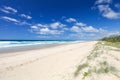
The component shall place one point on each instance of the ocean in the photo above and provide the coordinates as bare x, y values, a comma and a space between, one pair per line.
8, 44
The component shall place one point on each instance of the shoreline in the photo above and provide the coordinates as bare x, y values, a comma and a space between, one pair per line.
26, 48
31, 47
19, 49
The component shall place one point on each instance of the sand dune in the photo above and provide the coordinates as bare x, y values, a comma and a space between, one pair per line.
103, 63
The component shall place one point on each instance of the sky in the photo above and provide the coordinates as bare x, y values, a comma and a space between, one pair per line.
59, 19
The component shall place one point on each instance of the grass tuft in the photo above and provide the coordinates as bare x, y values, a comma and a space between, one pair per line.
79, 68
85, 74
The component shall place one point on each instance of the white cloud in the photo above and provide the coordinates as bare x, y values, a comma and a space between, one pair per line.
82, 27
10, 19
47, 29
71, 20
34, 27
42, 25
113, 33
26, 16
15, 20
79, 29
24, 23
90, 29
103, 1
86, 29
76, 29
80, 24
5, 11
37, 27
107, 12
56, 25
10, 9
93, 36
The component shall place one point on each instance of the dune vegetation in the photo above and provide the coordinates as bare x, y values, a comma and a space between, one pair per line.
114, 38
112, 41
102, 61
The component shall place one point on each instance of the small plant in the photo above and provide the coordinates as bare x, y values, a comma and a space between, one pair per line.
79, 68
106, 70
85, 74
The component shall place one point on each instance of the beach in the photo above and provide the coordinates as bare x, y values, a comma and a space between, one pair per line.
72, 61
53, 63
59, 39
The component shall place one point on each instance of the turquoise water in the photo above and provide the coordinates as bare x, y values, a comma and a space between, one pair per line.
6, 44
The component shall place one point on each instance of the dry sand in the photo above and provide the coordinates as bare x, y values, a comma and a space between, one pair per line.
54, 63
62, 63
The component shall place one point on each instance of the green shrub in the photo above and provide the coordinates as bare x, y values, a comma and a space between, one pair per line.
115, 38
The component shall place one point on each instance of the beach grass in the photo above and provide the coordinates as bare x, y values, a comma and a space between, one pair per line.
79, 68
96, 64
113, 38
112, 41
114, 44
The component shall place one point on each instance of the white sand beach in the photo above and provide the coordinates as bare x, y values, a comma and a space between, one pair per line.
56, 63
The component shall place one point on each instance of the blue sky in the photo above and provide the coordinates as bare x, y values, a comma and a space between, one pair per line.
59, 19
